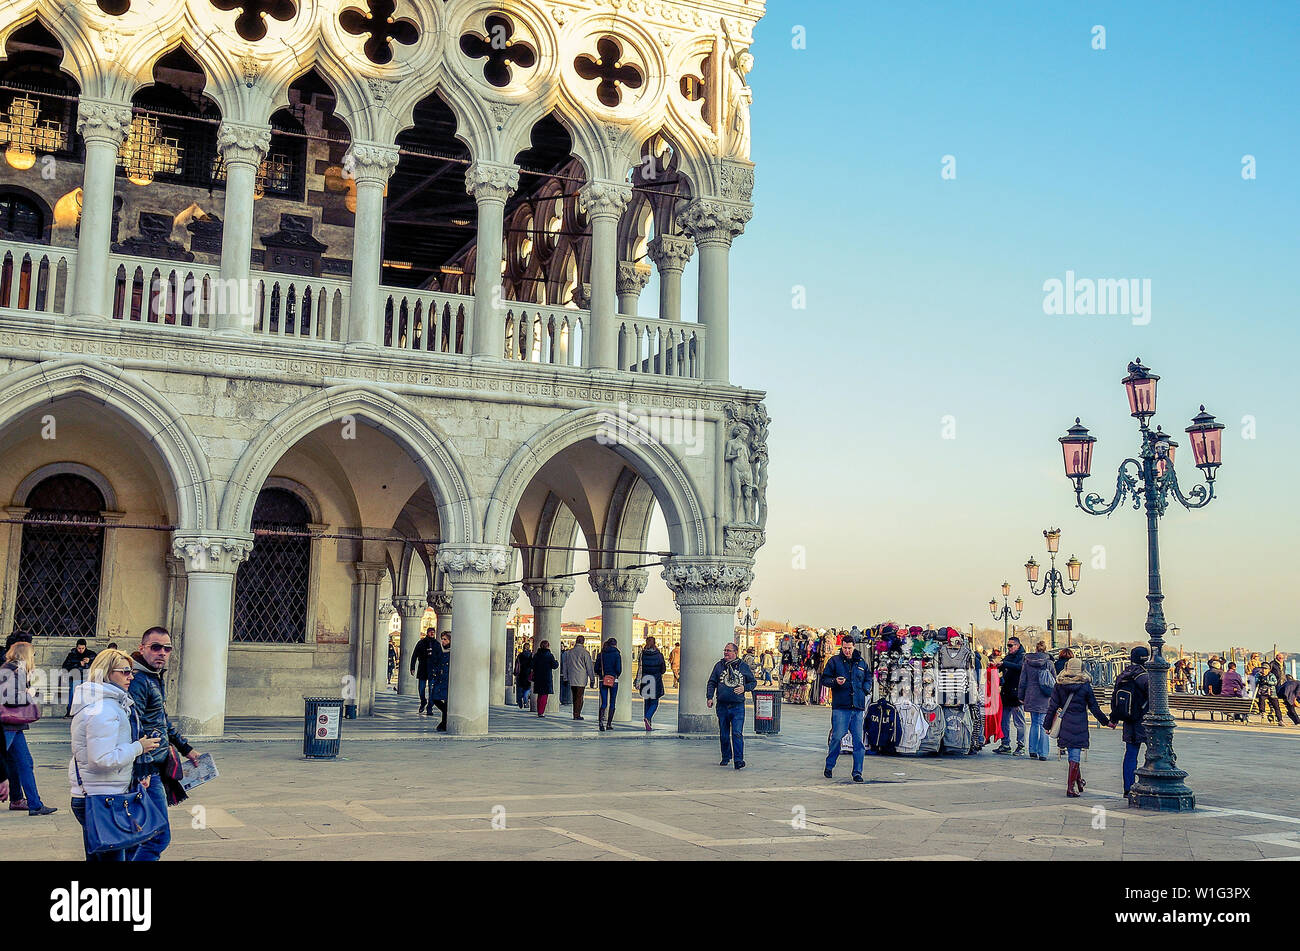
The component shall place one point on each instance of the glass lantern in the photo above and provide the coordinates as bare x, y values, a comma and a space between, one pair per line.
1076, 446
1141, 387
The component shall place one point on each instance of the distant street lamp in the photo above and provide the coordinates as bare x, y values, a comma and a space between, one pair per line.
1005, 614
1159, 782
1053, 582
748, 616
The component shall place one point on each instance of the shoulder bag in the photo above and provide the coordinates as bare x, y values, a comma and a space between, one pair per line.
1055, 731
121, 820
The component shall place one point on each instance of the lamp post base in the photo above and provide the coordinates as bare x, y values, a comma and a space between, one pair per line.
1161, 791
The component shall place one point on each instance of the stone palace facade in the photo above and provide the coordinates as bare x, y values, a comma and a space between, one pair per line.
311, 310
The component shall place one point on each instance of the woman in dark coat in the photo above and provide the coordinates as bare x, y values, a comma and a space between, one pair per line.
652, 679
523, 676
439, 676
543, 682
1072, 698
609, 667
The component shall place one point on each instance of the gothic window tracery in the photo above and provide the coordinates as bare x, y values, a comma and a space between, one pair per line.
383, 30
251, 22
500, 48
609, 70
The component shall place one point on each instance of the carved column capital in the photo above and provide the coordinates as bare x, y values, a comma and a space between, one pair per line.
709, 582
604, 199
241, 143
102, 120
370, 162
671, 252
504, 598
441, 602
473, 564
632, 277
491, 181
410, 608
368, 572
582, 296
548, 593
221, 554
711, 221
617, 585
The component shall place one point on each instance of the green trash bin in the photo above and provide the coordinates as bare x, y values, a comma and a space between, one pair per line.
322, 727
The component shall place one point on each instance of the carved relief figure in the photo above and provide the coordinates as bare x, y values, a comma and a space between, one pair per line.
741, 473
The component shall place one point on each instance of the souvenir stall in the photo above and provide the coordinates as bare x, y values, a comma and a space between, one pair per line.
926, 696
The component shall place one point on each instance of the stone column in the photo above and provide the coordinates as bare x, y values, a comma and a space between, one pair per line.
714, 224
370, 164
670, 254
490, 184
442, 606
473, 570
707, 590
412, 612
548, 598
383, 614
210, 567
604, 203
618, 590
631, 281
243, 147
365, 608
503, 599
104, 126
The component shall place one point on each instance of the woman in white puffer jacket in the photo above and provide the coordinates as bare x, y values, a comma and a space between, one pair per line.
104, 739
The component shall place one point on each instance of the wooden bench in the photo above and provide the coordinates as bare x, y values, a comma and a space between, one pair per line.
1225, 706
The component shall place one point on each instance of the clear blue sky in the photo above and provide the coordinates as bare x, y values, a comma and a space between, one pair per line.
924, 300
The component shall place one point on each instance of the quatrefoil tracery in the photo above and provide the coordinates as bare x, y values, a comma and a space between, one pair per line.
500, 48
381, 26
251, 22
608, 68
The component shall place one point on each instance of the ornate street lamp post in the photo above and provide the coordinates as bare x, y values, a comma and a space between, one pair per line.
1159, 782
1053, 582
1005, 614
748, 616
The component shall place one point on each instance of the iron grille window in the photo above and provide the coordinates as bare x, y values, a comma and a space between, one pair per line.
59, 566
271, 587
21, 218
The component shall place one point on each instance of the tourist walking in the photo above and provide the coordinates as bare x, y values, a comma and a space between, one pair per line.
1135, 683
544, 663
1035, 690
440, 677
580, 671
421, 668
150, 698
1072, 700
1289, 693
1062, 658
22, 708
1012, 711
768, 664
651, 681
849, 680
993, 699
75, 667
106, 740
523, 677
730, 678
609, 667
675, 662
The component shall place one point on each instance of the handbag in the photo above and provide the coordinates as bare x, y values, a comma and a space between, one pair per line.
1055, 731
608, 680
24, 714
121, 820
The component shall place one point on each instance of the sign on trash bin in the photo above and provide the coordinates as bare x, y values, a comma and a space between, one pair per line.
763, 707
327, 724
322, 727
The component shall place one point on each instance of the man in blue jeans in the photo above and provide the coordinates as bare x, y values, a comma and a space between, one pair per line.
150, 698
730, 679
849, 678
1135, 733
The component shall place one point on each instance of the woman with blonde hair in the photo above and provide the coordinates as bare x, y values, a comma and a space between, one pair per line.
105, 739
21, 702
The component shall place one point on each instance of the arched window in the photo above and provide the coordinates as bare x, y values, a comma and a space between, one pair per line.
21, 219
59, 565
271, 587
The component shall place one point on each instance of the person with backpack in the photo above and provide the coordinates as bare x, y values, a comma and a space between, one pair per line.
651, 681
1129, 700
730, 680
1012, 712
1037, 681
849, 680
1072, 700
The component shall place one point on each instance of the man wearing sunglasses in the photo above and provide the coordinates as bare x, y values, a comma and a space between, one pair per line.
150, 699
